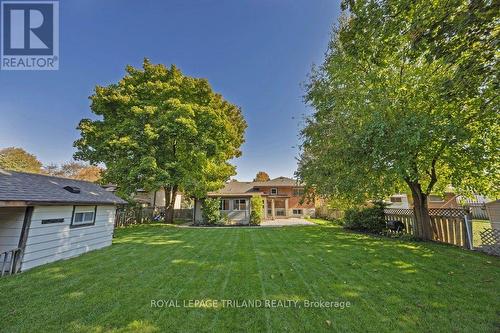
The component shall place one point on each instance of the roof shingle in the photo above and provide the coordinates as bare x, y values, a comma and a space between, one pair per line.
35, 188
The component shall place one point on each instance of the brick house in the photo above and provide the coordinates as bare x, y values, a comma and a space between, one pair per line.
283, 198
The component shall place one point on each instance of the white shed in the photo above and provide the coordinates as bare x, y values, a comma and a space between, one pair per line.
44, 219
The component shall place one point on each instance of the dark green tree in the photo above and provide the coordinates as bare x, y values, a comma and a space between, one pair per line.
407, 97
160, 129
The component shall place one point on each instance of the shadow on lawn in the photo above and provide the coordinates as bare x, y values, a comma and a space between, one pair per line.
112, 287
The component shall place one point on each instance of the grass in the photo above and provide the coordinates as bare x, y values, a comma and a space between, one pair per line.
477, 227
391, 285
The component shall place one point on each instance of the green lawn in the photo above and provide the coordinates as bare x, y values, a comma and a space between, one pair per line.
477, 227
391, 285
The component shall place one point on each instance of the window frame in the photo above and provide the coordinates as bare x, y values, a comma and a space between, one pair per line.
301, 190
295, 210
221, 205
275, 190
86, 224
237, 203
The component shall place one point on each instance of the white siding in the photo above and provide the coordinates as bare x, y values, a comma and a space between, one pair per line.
51, 242
234, 216
11, 224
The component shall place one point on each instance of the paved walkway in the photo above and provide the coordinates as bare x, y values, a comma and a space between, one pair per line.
285, 222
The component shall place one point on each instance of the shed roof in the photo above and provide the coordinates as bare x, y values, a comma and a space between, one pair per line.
41, 189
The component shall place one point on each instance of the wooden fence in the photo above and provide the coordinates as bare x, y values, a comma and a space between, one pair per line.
448, 224
142, 215
134, 215
327, 213
477, 211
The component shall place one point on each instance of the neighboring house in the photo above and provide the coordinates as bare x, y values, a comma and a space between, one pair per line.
150, 199
45, 218
401, 200
282, 199
156, 199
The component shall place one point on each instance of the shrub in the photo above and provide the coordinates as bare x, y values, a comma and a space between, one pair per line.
257, 210
368, 219
210, 211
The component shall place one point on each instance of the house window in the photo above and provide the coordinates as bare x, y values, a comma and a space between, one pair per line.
274, 191
224, 204
396, 199
297, 211
435, 198
240, 204
298, 192
83, 216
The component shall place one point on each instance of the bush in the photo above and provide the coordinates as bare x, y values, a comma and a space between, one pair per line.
369, 219
210, 211
257, 210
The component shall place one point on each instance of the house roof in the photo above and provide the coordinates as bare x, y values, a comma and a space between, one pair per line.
41, 189
280, 181
235, 188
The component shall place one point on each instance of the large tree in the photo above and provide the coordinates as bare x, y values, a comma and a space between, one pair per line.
261, 176
407, 97
18, 159
160, 129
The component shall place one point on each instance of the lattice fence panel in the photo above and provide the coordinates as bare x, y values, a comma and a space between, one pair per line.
490, 239
448, 212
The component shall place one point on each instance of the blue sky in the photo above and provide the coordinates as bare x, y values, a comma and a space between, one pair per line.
256, 53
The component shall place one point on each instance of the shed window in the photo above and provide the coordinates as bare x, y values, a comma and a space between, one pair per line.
240, 204
396, 199
83, 215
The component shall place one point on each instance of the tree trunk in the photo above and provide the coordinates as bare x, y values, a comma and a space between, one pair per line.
169, 209
421, 211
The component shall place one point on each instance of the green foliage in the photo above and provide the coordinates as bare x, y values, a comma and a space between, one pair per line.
368, 219
407, 96
210, 211
257, 211
17, 159
158, 128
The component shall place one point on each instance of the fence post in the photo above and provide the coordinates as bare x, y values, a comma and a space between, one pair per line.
468, 228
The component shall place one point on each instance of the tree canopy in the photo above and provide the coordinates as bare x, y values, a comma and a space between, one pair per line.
159, 128
18, 159
261, 176
75, 170
407, 97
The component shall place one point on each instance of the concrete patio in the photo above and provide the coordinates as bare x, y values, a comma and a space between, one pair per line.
285, 222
